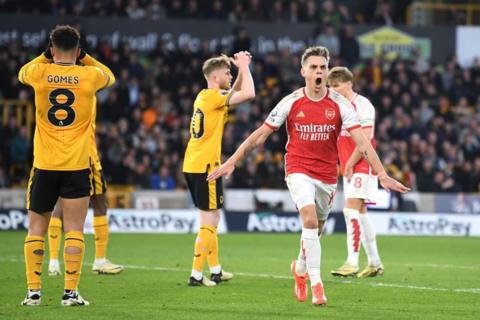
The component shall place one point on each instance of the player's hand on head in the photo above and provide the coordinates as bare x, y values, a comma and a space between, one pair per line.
48, 51
242, 58
391, 184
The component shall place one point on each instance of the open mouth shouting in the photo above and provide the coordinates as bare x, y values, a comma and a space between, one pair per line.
318, 81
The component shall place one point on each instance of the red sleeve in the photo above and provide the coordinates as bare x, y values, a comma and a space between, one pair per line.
270, 126
354, 127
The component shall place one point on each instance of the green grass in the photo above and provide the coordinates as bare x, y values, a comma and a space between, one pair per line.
422, 281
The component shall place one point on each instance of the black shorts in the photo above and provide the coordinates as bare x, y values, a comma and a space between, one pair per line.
99, 183
206, 195
45, 186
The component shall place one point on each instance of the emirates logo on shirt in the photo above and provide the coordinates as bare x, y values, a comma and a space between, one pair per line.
314, 132
330, 113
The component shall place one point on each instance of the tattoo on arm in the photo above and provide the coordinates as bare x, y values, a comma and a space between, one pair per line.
365, 156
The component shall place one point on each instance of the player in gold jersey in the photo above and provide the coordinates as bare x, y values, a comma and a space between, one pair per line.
98, 201
65, 96
210, 113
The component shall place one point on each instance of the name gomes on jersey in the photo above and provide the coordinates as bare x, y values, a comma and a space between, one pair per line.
315, 132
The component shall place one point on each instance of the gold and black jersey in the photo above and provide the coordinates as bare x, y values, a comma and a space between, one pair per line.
210, 113
65, 102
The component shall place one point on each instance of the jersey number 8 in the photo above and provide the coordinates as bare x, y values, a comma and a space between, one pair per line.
65, 106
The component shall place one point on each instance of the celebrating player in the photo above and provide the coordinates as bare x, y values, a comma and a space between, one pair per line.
210, 112
65, 98
359, 181
314, 116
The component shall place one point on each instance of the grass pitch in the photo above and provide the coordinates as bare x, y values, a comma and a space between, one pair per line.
425, 278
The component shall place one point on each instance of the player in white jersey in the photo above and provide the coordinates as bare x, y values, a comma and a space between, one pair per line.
359, 180
314, 116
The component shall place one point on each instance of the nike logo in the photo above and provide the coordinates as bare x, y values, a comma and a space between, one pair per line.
300, 115
37, 273
53, 236
70, 272
197, 255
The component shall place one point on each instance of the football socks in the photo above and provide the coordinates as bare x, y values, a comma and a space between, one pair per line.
202, 247
54, 237
73, 261
352, 222
100, 226
34, 249
312, 248
369, 240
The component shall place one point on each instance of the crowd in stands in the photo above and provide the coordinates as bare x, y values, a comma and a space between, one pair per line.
427, 128
293, 11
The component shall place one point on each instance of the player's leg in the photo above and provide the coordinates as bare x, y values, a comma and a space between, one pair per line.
74, 200
42, 192
102, 265
303, 192
351, 214
369, 241
355, 192
205, 201
54, 240
217, 274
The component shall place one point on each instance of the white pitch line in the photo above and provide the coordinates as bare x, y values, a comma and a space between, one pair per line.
283, 277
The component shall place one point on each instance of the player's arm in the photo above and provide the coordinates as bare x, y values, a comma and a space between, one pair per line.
367, 151
244, 81
254, 140
356, 155
24, 75
237, 85
88, 60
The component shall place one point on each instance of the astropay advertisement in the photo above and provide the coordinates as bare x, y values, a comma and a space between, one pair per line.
425, 224
153, 221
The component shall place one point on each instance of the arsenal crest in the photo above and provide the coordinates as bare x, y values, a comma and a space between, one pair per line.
329, 113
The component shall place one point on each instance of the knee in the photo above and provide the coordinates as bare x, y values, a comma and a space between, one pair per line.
310, 222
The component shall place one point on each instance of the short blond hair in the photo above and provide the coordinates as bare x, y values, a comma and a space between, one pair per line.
215, 63
315, 51
340, 74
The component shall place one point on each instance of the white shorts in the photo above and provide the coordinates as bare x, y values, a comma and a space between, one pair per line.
307, 191
361, 186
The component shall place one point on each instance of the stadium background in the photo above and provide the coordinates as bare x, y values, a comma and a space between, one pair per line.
418, 62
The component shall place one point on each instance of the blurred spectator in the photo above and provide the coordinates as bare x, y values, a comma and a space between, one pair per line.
383, 13
328, 38
241, 40
163, 180
156, 11
310, 12
349, 47
134, 11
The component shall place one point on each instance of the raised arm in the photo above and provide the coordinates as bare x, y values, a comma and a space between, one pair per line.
23, 74
244, 81
356, 156
88, 60
367, 151
237, 85
254, 140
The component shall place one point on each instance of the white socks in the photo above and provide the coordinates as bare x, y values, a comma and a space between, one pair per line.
352, 222
216, 269
311, 246
369, 241
197, 274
